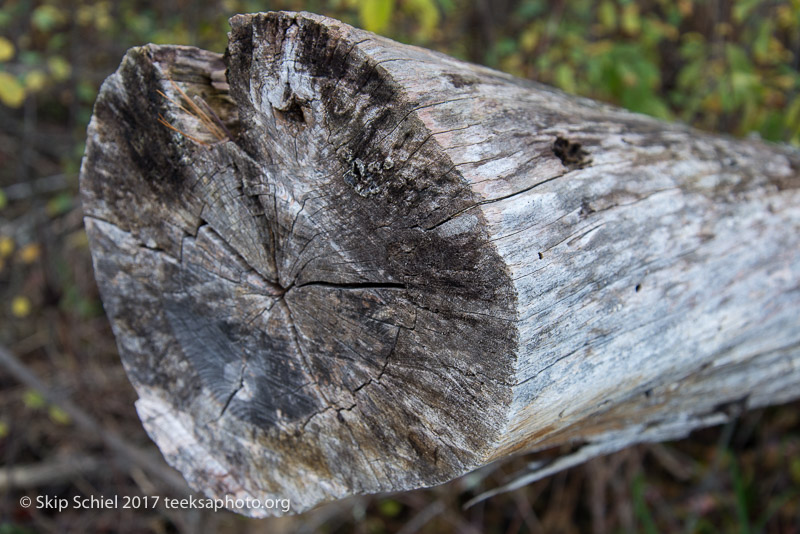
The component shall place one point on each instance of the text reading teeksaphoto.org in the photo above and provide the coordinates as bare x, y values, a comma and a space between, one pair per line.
138, 502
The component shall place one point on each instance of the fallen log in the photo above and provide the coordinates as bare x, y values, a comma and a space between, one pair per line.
337, 265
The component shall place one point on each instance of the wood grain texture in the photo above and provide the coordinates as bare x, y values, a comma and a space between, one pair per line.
395, 267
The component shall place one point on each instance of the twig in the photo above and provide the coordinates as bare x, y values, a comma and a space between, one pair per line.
422, 518
163, 121
111, 439
47, 184
48, 472
207, 117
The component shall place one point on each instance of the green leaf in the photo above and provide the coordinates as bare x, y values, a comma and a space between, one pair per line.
743, 8
772, 127
12, 93
565, 77
762, 42
631, 21
30, 58
740, 490
390, 508
375, 14
426, 13
59, 68
59, 416
10, 528
46, 17
607, 14
793, 121
448, 6
530, 9
737, 58
640, 507
33, 399
3, 199
86, 91
59, 204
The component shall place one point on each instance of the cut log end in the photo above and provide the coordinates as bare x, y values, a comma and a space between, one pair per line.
297, 295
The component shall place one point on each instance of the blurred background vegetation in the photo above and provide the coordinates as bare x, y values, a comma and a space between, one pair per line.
729, 66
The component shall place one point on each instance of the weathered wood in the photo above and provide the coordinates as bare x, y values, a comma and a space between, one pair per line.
335, 264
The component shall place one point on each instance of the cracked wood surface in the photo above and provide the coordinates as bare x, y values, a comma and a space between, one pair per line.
335, 264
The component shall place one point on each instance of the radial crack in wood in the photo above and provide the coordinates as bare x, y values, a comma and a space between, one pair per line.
336, 265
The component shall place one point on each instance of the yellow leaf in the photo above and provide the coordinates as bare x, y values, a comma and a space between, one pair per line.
20, 307
3, 429
607, 13
712, 103
793, 113
85, 14
3, 199
794, 469
12, 94
529, 38
631, 22
599, 48
6, 49
426, 13
103, 20
565, 77
723, 29
6, 246
59, 68
35, 80
629, 78
30, 253
59, 416
375, 14
78, 239
784, 16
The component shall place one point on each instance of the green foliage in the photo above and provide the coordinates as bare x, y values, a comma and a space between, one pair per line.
33, 400
375, 14
59, 205
730, 69
58, 415
10, 528
640, 506
390, 508
741, 489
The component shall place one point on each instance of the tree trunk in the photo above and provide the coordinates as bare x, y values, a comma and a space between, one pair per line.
336, 264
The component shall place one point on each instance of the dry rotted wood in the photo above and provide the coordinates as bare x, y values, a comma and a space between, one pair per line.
336, 265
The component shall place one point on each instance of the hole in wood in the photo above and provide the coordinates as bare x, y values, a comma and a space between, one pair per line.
293, 116
571, 154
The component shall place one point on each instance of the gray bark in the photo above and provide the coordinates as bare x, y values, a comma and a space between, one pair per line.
336, 264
